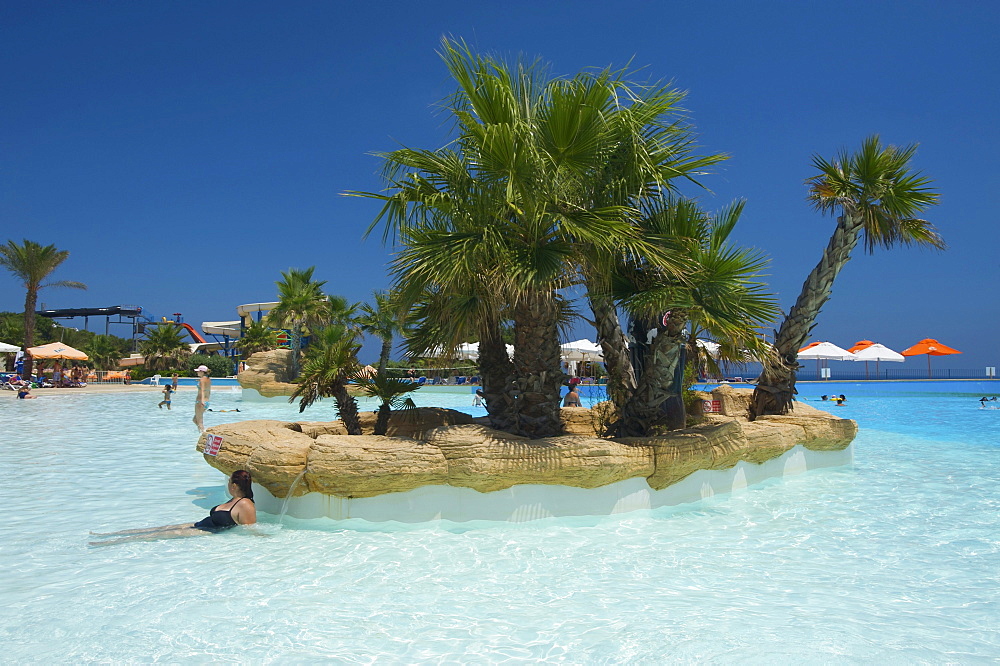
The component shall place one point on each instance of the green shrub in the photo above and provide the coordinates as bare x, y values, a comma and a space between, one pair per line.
218, 366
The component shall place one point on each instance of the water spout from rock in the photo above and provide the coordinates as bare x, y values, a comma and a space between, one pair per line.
288, 496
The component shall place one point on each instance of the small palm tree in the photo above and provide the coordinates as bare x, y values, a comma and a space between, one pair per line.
105, 351
383, 319
302, 307
32, 263
257, 337
330, 362
721, 294
390, 391
875, 195
164, 347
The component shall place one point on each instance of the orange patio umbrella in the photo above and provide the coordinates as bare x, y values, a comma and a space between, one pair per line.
57, 350
860, 344
931, 347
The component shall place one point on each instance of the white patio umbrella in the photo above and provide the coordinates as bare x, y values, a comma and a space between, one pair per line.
467, 351
825, 351
878, 352
8, 349
582, 350
710, 346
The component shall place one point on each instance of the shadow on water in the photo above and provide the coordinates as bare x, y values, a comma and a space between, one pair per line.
207, 496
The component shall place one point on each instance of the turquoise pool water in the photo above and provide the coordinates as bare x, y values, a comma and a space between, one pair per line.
896, 559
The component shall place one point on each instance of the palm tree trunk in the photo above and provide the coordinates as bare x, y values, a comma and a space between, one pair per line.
347, 409
621, 375
775, 389
30, 301
497, 372
382, 420
383, 357
297, 347
657, 384
535, 391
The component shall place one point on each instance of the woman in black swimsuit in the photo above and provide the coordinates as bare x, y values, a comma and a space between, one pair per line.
235, 511
239, 510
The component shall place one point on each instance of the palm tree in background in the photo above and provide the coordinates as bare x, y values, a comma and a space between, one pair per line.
257, 337
384, 319
302, 306
32, 264
875, 195
106, 351
164, 347
390, 392
330, 362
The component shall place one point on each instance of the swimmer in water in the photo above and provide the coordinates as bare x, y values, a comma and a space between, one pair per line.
239, 510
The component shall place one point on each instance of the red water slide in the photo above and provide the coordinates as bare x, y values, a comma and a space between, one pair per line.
195, 335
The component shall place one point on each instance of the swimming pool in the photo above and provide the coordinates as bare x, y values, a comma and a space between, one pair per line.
896, 559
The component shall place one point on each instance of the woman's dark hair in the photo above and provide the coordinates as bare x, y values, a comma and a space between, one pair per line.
241, 478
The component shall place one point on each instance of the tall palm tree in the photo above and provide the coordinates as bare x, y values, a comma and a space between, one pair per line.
257, 337
383, 318
164, 347
32, 263
875, 195
331, 361
302, 306
390, 392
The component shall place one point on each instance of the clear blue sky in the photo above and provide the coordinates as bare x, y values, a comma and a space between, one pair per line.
186, 152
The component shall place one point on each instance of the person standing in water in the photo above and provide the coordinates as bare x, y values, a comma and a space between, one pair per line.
204, 395
167, 390
173, 382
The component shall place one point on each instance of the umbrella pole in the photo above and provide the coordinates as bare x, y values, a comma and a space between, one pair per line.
928, 366
866, 369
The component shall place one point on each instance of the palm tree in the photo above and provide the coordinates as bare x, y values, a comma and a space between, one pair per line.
257, 337
390, 391
722, 294
302, 306
876, 195
164, 347
32, 263
383, 319
510, 201
330, 362
106, 351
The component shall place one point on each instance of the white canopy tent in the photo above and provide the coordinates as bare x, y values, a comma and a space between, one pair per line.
8, 349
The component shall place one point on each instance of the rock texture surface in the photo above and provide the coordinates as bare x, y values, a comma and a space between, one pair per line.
434, 446
269, 373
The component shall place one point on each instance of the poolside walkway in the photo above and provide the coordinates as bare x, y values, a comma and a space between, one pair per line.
91, 389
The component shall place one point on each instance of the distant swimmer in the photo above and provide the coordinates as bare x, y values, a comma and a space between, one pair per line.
477, 400
24, 392
222, 411
239, 510
841, 399
824, 397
